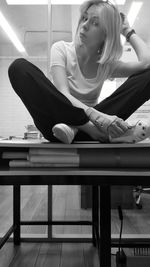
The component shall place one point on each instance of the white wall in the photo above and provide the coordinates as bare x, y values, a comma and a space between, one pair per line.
74, 18
13, 115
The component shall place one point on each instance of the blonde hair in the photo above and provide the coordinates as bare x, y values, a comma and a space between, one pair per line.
110, 19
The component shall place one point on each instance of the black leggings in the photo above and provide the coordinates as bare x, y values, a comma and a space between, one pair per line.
48, 106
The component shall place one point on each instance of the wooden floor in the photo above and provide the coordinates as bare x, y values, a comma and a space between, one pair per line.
49, 255
54, 255
66, 206
58, 255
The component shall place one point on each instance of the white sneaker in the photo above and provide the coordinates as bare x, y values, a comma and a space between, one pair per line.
64, 133
138, 132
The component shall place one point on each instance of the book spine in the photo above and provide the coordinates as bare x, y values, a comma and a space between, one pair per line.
23, 163
56, 151
54, 158
14, 155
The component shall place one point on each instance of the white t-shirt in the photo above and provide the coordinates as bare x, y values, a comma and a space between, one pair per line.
86, 90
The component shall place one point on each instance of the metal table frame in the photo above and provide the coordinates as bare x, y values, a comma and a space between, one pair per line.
99, 178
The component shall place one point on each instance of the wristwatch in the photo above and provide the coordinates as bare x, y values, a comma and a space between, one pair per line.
129, 34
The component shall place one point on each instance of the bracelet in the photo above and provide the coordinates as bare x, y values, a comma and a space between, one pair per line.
89, 111
129, 34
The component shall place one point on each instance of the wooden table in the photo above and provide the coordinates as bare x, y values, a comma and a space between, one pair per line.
136, 156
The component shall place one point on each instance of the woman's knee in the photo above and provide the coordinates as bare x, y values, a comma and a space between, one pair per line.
146, 74
142, 74
16, 67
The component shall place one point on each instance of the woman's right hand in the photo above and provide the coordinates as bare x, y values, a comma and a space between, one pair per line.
110, 125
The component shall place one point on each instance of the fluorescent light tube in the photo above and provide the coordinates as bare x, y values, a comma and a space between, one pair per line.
118, 2
27, 2
54, 2
133, 12
43, 2
11, 34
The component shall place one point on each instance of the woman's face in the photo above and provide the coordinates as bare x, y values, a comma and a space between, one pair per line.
90, 31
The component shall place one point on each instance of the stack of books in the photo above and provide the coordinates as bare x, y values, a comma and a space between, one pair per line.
41, 157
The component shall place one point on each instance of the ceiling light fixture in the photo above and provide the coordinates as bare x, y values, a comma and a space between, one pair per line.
132, 14
118, 2
11, 34
53, 2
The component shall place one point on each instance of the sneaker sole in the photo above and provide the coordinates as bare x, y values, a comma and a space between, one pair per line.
61, 135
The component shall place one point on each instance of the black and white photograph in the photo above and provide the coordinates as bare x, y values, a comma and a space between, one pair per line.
74, 133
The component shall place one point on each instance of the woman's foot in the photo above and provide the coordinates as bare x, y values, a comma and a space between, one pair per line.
64, 133
97, 135
138, 132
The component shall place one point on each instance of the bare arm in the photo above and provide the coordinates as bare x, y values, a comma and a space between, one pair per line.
141, 49
125, 69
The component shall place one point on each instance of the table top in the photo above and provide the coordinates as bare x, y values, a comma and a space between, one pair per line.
92, 144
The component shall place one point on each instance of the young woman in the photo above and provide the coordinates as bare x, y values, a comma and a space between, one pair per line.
66, 108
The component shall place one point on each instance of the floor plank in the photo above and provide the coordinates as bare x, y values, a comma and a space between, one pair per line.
7, 253
49, 255
91, 258
27, 254
72, 255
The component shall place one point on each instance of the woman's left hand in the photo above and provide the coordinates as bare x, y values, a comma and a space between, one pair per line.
125, 24
118, 127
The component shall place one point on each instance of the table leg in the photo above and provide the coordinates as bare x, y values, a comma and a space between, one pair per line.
95, 215
105, 226
50, 210
16, 213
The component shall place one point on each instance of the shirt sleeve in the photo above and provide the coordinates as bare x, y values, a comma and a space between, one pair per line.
58, 55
